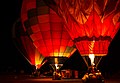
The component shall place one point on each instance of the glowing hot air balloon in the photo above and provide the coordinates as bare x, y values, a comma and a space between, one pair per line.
47, 32
26, 47
92, 24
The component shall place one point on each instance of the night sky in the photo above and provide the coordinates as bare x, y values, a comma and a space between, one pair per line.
10, 57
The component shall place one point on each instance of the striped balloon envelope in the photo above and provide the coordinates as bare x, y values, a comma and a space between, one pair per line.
47, 31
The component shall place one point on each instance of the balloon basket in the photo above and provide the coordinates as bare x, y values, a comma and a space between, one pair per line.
93, 76
57, 72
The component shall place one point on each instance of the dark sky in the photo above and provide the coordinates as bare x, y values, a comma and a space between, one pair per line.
10, 56
10, 12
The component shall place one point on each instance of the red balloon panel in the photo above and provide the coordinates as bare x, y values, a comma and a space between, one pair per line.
30, 49
99, 47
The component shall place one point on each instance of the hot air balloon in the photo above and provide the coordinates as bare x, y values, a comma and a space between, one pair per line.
92, 24
25, 46
46, 30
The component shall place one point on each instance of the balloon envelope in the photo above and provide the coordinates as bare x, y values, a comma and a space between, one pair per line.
92, 24
26, 47
46, 29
